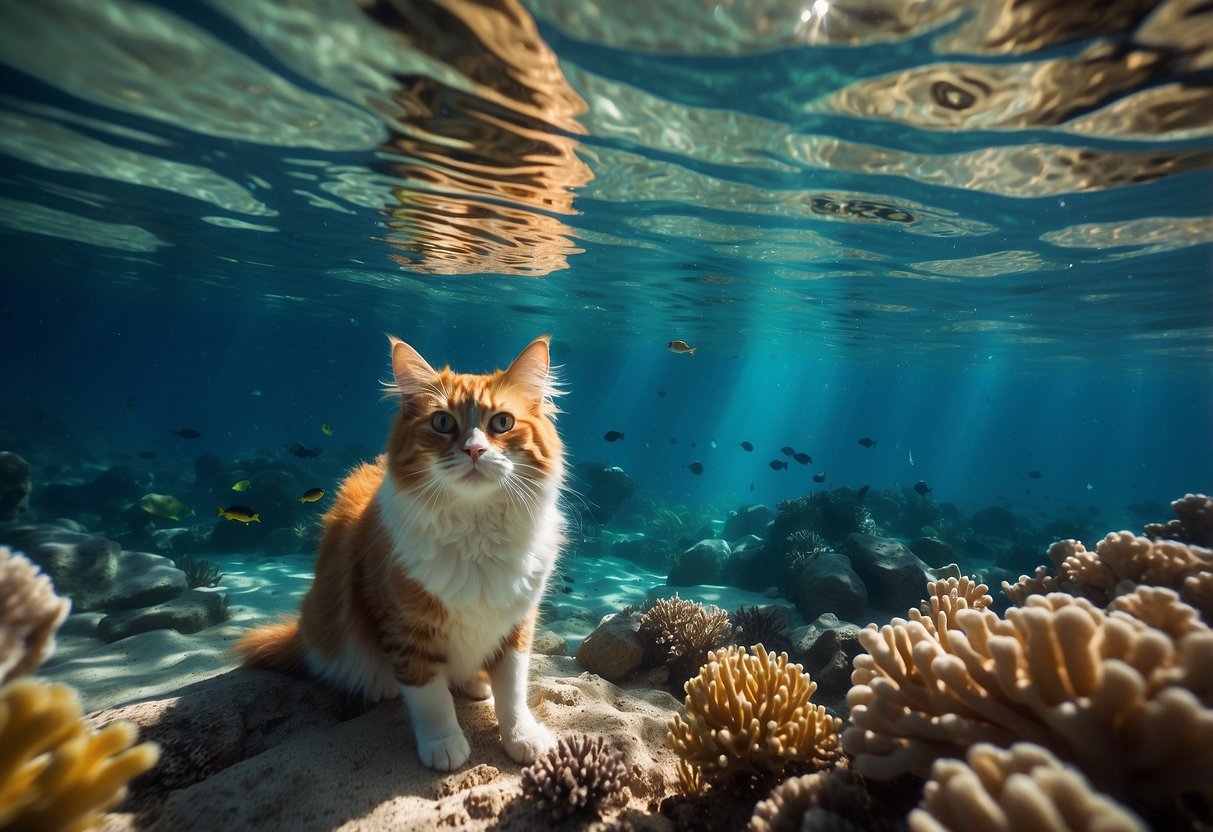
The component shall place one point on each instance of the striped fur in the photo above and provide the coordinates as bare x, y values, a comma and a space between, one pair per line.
434, 558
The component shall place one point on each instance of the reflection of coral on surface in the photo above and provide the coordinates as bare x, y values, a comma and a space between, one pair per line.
749, 713
578, 776
1020, 789
30, 613
1130, 704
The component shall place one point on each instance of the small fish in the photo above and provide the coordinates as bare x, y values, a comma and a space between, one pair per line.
696, 468
242, 485
819, 478
861, 493
866, 442
751, 485
164, 505
312, 495
910, 458
146, 454
613, 435
661, 394
130, 403
776, 464
304, 452
673, 440
922, 488
747, 446
680, 347
712, 444
1034, 475
787, 450
326, 429
802, 458
242, 513
186, 433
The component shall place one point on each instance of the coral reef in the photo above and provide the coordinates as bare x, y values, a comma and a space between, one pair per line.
1020, 789
749, 713
55, 773
1127, 702
579, 776
683, 632
836, 800
945, 598
30, 613
1193, 521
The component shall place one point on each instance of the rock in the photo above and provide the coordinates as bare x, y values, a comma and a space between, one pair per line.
827, 648
996, 521
143, 579
547, 643
81, 566
613, 650
750, 566
643, 551
15, 484
827, 584
895, 577
747, 520
703, 563
178, 541
932, 550
604, 489
189, 612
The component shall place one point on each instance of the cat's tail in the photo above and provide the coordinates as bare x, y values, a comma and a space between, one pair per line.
277, 646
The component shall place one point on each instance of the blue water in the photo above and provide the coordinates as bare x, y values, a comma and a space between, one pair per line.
212, 214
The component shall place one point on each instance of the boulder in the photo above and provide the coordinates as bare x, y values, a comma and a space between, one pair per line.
604, 489
895, 577
827, 648
826, 583
547, 643
750, 566
747, 520
189, 612
702, 563
15, 484
143, 579
932, 550
81, 566
643, 551
613, 650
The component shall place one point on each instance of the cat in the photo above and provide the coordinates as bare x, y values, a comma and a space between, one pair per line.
433, 559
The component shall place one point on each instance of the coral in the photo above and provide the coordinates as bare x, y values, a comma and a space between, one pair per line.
1193, 521
56, 774
1125, 701
834, 800
684, 631
576, 777
30, 613
749, 713
762, 625
1020, 789
945, 598
831, 514
197, 572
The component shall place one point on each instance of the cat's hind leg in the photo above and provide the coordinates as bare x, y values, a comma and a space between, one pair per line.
441, 744
478, 687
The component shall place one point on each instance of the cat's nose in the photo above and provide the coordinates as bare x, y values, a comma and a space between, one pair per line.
476, 444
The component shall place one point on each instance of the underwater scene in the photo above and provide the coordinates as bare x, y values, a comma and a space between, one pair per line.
572, 414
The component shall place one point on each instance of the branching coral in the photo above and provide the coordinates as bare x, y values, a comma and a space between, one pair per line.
1193, 521
834, 799
1020, 789
1129, 703
578, 776
30, 613
947, 597
56, 774
749, 713
684, 631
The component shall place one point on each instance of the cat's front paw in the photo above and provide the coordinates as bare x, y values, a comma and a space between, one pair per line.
527, 741
445, 753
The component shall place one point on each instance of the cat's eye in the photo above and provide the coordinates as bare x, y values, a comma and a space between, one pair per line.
501, 422
443, 422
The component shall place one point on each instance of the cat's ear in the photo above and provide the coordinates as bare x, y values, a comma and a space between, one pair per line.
531, 370
410, 371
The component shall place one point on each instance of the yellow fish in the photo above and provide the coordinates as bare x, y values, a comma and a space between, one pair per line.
312, 495
164, 505
242, 513
680, 347
326, 429
242, 485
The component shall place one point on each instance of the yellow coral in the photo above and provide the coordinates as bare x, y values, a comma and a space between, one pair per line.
1127, 702
30, 613
55, 773
1021, 789
749, 713
945, 598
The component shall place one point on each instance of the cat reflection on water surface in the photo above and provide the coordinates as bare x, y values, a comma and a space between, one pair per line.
434, 558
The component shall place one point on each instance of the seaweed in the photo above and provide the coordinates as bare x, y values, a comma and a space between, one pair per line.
197, 572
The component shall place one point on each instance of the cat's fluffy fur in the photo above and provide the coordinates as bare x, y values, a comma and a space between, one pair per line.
435, 557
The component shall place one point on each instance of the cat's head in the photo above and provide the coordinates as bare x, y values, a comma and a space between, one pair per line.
468, 435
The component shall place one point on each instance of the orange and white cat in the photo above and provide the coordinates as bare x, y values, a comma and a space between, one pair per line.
434, 558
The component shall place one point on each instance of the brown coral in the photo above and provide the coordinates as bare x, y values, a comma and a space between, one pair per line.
945, 598
56, 774
836, 799
749, 713
30, 613
1020, 789
684, 632
579, 776
1193, 521
1128, 703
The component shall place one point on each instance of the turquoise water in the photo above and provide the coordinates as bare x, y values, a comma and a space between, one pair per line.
987, 247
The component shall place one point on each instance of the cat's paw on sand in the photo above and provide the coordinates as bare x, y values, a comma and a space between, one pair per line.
478, 689
527, 741
445, 753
